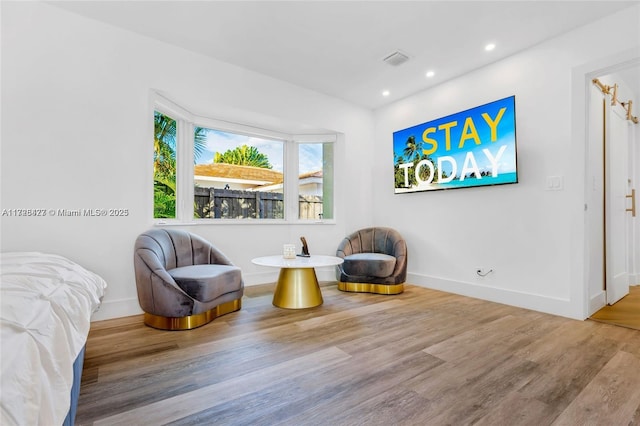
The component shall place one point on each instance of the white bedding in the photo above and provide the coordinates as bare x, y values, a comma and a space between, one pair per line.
46, 302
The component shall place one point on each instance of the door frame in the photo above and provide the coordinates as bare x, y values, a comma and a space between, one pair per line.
582, 302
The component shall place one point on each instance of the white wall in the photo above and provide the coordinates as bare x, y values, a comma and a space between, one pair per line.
531, 237
77, 129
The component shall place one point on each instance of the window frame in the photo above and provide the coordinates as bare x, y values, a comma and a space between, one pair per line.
186, 122
315, 139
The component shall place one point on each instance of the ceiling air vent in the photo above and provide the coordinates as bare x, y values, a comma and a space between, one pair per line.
396, 58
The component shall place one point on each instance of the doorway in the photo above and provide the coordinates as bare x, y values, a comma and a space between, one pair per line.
613, 162
624, 313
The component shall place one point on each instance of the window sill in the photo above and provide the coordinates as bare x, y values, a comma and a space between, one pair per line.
219, 222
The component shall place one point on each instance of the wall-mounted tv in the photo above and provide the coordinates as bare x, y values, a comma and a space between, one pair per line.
476, 147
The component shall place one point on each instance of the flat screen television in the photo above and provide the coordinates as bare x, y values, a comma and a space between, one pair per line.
476, 147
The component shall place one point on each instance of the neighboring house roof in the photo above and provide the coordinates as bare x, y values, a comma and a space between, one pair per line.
317, 173
245, 173
235, 172
303, 179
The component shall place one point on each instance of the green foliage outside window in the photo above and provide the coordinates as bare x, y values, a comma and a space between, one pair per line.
164, 166
243, 155
164, 163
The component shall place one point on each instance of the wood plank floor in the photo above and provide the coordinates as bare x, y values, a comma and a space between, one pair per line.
423, 357
625, 312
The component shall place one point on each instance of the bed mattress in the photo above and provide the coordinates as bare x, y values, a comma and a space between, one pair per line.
46, 303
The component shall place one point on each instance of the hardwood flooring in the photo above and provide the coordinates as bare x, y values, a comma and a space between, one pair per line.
422, 357
625, 312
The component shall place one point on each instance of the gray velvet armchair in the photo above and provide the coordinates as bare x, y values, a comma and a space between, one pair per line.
183, 281
375, 261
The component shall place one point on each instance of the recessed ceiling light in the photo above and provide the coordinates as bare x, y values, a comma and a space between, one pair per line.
489, 47
430, 74
385, 93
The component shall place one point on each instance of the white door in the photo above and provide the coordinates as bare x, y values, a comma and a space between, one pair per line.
616, 188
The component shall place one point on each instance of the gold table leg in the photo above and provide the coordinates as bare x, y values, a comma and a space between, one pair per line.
297, 288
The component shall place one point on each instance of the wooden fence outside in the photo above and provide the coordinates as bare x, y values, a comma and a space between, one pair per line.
237, 204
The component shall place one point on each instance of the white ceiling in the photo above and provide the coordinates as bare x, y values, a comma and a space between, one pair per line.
337, 47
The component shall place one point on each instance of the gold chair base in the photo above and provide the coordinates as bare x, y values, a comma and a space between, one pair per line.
191, 321
371, 288
297, 288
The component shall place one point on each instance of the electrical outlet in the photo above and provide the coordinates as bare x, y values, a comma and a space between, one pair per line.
483, 272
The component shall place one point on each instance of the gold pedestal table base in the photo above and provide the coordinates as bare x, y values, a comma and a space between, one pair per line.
297, 286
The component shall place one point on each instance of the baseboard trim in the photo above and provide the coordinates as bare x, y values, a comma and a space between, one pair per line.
535, 302
110, 309
556, 306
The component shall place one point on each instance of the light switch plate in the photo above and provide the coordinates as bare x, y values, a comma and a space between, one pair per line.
555, 183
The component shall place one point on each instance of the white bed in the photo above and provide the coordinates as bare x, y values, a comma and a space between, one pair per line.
46, 303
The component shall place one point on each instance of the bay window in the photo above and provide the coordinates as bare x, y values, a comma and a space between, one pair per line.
211, 171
